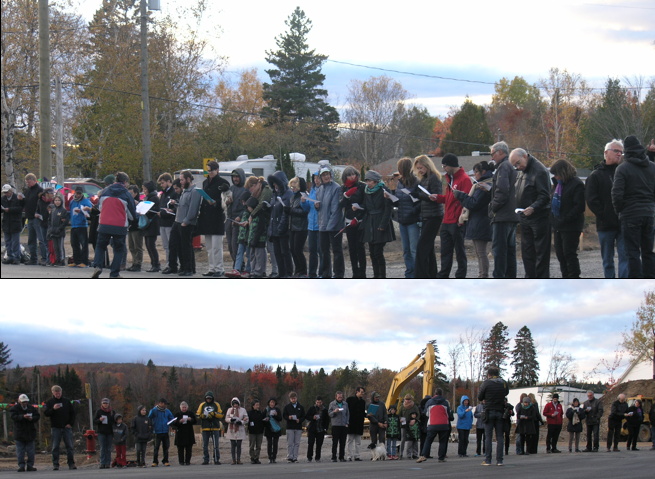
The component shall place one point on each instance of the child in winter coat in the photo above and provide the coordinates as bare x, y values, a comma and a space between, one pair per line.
464, 425
142, 431
393, 433
241, 266
120, 441
57, 222
413, 432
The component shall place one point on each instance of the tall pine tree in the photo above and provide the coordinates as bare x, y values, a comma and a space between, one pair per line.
468, 132
295, 97
524, 362
495, 348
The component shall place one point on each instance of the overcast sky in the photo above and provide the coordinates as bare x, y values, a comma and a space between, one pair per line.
315, 323
470, 40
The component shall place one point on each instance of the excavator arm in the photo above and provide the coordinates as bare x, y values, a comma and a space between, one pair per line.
422, 363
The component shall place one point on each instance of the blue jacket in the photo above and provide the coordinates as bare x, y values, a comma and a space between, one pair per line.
313, 212
78, 220
464, 417
160, 420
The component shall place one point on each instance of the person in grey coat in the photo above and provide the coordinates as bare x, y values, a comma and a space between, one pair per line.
185, 220
330, 223
339, 418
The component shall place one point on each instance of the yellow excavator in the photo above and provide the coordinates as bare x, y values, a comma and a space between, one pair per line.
423, 362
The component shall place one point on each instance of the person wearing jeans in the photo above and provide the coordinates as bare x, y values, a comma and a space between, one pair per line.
493, 391
62, 418
161, 416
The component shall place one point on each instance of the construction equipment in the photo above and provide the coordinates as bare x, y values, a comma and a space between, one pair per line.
423, 362
644, 429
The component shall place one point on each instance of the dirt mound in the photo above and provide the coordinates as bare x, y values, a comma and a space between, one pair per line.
645, 387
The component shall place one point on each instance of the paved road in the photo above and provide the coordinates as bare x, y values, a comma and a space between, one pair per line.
629, 465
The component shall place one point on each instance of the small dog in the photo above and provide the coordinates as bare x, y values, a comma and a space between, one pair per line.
379, 453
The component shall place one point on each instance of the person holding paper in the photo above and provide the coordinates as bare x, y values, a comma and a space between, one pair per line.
186, 218
353, 193
409, 211
330, 222
104, 422
476, 204
356, 416
298, 223
376, 412
256, 427
294, 414
235, 209
339, 419
431, 217
316, 428
315, 267
161, 418
135, 235
259, 206
80, 208
272, 419
594, 411
554, 413
236, 418
533, 196
151, 231
211, 220
185, 437
25, 416
501, 212
279, 225
452, 231
377, 229
166, 214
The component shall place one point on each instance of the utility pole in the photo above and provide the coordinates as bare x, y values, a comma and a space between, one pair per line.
59, 148
45, 155
145, 96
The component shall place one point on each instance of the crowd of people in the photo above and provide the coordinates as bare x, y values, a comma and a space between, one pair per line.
277, 217
395, 433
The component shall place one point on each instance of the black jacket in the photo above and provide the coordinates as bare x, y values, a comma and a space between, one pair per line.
100, 426
526, 419
617, 413
580, 413
571, 217
141, 428
429, 208
185, 435
503, 194
317, 425
376, 224
61, 417
279, 225
533, 189
31, 199
633, 193
12, 221
493, 392
298, 216
166, 220
478, 225
409, 211
357, 410
236, 208
211, 220
298, 411
153, 228
256, 422
598, 193
24, 429
347, 203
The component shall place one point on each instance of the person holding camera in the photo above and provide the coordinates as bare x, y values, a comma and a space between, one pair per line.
236, 418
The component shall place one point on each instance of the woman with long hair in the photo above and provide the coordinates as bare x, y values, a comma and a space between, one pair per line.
409, 213
429, 186
353, 192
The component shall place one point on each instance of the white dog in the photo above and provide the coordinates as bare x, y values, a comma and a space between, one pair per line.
379, 453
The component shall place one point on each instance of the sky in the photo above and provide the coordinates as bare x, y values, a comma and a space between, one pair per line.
476, 40
317, 324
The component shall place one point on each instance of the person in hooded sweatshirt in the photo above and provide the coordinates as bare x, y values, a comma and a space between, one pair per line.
279, 225
298, 224
120, 441
464, 425
633, 197
439, 418
236, 418
141, 429
210, 414
598, 193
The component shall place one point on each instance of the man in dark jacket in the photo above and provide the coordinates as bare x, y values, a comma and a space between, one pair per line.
633, 197
62, 419
533, 197
25, 417
357, 412
12, 210
255, 431
31, 195
166, 216
501, 212
235, 211
211, 221
598, 193
294, 414
614, 421
594, 411
316, 428
439, 417
117, 209
493, 392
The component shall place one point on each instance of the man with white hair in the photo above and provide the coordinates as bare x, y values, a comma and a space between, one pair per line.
614, 421
598, 192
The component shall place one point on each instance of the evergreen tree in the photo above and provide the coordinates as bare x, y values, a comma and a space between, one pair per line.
495, 348
5, 354
295, 97
524, 360
469, 130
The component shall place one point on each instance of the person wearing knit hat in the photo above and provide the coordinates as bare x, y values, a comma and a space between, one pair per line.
353, 193
210, 414
452, 232
633, 197
376, 225
25, 416
330, 223
109, 180
236, 419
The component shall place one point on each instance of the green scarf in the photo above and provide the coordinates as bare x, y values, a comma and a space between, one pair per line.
375, 188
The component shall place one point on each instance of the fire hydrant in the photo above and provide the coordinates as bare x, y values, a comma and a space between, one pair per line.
90, 436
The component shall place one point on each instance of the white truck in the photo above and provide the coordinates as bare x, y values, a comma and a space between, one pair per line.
266, 166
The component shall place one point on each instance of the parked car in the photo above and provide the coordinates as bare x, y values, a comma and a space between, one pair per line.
91, 189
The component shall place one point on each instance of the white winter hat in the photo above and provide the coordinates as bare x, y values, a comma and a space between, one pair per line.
23, 398
6, 188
